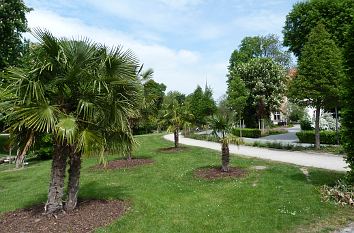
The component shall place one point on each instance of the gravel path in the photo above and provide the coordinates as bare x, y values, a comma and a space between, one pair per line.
318, 160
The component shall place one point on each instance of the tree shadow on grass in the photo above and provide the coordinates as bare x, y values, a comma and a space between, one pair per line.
318, 177
103, 191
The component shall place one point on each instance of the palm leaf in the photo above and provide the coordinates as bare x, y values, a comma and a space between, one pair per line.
66, 130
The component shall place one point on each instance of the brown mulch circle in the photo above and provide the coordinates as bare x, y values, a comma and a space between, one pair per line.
172, 149
212, 173
88, 216
124, 163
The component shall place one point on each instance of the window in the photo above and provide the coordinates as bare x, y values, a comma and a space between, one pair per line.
277, 116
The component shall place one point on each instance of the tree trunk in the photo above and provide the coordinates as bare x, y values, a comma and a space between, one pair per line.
74, 178
317, 127
241, 126
225, 157
337, 132
56, 186
129, 155
20, 158
176, 136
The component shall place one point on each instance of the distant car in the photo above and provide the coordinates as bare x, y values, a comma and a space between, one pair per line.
281, 123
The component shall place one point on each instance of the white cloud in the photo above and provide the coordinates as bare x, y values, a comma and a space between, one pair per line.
180, 70
261, 22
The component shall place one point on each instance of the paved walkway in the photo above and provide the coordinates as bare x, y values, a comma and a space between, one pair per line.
308, 159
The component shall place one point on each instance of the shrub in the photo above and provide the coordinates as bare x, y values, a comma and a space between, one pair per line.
43, 147
247, 132
4, 144
326, 137
306, 124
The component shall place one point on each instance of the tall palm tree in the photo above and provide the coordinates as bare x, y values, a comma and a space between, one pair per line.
80, 92
221, 125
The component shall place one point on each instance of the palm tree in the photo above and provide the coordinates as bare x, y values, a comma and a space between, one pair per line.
221, 125
175, 115
80, 92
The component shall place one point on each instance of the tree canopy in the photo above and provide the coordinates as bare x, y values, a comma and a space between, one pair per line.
265, 81
260, 47
201, 104
336, 15
320, 72
348, 103
12, 24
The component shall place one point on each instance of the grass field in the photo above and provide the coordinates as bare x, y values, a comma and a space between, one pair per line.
166, 197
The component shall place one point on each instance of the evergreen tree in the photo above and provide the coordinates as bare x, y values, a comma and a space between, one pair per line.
320, 72
202, 105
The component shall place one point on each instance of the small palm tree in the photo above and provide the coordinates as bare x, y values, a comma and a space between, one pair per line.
80, 92
176, 116
221, 125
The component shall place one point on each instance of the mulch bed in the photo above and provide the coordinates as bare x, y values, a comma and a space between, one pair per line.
88, 216
212, 173
124, 163
173, 149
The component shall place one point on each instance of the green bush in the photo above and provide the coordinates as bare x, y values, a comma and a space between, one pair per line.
305, 124
43, 148
326, 137
4, 144
247, 132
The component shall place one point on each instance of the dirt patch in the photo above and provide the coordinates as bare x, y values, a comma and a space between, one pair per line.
124, 163
212, 173
173, 149
88, 216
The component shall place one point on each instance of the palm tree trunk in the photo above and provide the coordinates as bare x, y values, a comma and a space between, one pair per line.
56, 186
317, 127
176, 136
20, 158
74, 178
129, 155
225, 157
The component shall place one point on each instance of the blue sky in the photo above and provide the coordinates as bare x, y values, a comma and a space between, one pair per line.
186, 42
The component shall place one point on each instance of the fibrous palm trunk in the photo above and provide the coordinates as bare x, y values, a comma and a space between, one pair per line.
20, 158
56, 186
317, 127
74, 178
176, 137
225, 157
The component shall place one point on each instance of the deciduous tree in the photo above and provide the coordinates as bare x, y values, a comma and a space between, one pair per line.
336, 15
12, 24
348, 103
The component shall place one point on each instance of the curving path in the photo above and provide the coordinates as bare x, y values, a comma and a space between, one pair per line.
317, 160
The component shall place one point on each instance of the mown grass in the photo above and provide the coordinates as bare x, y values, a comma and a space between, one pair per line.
167, 197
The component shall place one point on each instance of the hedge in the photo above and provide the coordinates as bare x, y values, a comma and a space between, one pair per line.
204, 137
247, 132
326, 137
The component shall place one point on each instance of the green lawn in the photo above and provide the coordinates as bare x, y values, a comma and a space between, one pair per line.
166, 197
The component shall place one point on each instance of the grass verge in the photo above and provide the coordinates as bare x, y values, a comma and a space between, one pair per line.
167, 197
